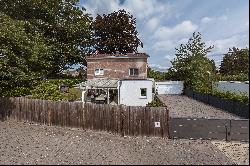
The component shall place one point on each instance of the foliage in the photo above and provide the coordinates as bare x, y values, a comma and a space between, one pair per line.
191, 64
156, 103
39, 38
116, 32
52, 32
242, 97
22, 56
157, 75
238, 77
17, 92
235, 62
49, 90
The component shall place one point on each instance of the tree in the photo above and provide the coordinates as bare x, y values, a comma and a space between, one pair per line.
191, 64
64, 27
23, 56
116, 32
39, 38
235, 62
157, 75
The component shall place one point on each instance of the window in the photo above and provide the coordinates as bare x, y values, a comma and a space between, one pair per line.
133, 72
144, 92
99, 72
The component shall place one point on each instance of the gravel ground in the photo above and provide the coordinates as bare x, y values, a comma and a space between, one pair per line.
23, 143
239, 152
183, 106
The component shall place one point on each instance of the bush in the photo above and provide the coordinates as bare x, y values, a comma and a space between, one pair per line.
238, 77
156, 103
243, 97
49, 90
17, 92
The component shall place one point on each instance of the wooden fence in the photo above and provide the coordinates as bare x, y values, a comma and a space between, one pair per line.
123, 120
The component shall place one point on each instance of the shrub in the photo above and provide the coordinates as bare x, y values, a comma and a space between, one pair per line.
49, 90
243, 97
238, 77
17, 92
156, 103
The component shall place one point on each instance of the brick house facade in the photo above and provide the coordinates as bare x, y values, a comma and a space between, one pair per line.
117, 66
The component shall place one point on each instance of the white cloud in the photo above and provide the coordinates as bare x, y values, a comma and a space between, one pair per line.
183, 41
163, 45
101, 6
223, 17
179, 31
158, 67
152, 24
154, 18
166, 38
221, 46
145, 8
205, 20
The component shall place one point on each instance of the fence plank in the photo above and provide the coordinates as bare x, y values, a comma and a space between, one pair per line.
123, 120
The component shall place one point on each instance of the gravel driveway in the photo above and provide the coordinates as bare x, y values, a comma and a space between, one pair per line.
23, 143
183, 106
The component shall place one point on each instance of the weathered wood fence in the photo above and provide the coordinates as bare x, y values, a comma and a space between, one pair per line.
123, 120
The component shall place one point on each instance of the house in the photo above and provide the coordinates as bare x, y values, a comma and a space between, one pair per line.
117, 79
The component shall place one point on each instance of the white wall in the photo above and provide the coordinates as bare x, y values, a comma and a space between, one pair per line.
232, 86
130, 92
169, 87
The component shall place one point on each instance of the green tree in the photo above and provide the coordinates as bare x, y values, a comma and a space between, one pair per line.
40, 38
22, 57
63, 26
235, 62
116, 32
192, 66
157, 75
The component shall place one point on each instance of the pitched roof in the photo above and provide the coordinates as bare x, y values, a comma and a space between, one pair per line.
127, 55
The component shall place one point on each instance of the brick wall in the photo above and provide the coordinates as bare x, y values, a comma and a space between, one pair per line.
117, 68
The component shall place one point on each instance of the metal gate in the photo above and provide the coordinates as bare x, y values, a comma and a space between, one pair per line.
218, 129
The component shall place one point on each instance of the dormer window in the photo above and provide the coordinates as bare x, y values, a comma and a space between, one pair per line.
99, 72
133, 72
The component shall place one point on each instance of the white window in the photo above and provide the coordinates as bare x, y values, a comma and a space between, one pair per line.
143, 92
133, 72
99, 72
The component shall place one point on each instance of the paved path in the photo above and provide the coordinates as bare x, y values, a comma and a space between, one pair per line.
23, 143
183, 106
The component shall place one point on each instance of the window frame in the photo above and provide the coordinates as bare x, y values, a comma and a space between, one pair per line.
143, 96
133, 73
100, 72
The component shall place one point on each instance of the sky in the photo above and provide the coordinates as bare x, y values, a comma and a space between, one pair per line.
165, 24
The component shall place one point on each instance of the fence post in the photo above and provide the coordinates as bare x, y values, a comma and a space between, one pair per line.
228, 131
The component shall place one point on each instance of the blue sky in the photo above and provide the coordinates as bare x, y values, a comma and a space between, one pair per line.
164, 24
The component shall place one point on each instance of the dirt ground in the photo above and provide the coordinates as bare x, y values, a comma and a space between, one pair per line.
23, 143
183, 106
